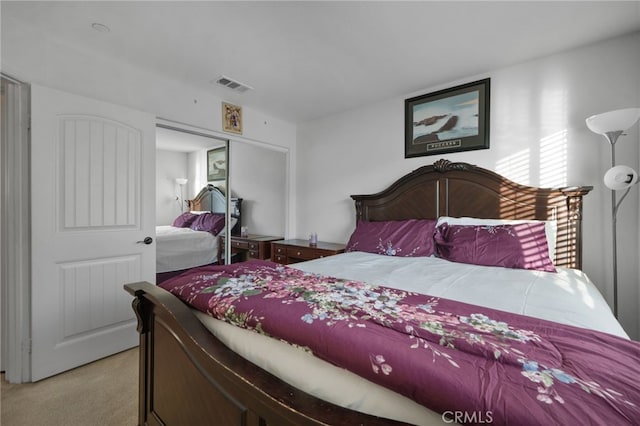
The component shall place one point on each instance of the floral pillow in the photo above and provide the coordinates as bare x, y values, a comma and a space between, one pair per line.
208, 222
521, 246
407, 238
184, 220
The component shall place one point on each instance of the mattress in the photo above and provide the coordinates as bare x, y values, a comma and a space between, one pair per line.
568, 297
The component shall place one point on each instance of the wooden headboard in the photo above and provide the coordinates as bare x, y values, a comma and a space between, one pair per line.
211, 198
461, 189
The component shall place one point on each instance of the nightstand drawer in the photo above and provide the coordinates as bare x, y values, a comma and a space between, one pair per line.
279, 258
240, 244
252, 246
280, 250
302, 253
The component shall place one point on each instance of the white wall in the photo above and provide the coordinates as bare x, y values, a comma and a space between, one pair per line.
537, 118
169, 166
32, 56
28, 54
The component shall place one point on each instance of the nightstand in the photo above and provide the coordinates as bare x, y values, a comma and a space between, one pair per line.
250, 247
293, 251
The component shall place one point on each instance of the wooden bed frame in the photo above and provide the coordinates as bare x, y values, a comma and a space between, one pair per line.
187, 376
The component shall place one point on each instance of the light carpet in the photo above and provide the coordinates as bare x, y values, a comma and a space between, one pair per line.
104, 392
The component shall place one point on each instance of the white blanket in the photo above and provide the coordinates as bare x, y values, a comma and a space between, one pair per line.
567, 297
183, 248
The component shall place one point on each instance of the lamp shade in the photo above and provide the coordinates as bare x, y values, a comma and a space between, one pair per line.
182, 181
620, 177
612, 121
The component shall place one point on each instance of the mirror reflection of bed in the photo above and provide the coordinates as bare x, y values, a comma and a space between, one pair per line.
257, 174
193, 238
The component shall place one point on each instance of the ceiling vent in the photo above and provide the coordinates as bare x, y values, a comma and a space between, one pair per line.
232, 84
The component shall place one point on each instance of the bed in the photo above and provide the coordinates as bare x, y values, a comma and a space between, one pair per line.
188, 375
192, 239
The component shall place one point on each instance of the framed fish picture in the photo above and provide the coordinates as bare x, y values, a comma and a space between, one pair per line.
217, 164
449, 120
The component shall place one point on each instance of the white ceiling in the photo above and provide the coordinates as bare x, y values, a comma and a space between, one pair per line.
307, 60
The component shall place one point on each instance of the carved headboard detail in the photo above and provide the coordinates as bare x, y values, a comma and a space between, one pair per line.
211, 198
461, 189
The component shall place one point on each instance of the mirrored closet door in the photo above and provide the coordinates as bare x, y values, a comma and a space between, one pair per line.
258, 175
254, 172
189, 162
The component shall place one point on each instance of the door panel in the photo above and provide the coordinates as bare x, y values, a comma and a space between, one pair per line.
99, 178
93, 200
89, 300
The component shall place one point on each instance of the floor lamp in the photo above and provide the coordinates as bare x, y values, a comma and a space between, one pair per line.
181, 182
611, 125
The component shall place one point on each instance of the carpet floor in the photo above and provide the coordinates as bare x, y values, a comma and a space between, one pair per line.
102, 393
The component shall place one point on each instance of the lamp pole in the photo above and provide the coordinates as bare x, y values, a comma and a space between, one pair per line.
613, 137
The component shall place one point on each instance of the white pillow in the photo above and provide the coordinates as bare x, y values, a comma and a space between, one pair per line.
550, 227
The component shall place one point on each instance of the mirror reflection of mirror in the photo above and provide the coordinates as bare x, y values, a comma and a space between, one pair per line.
258, 176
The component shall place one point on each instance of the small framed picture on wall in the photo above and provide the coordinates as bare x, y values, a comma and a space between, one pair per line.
231, 118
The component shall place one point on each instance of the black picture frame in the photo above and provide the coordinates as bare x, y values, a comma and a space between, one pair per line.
450, 120
216, 164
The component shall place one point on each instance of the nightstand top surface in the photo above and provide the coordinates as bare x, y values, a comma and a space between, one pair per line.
305, 243
255, 237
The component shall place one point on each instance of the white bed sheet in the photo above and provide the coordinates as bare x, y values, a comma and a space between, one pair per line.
183, 248
567, 297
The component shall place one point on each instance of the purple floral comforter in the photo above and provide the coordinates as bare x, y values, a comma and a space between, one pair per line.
446, 355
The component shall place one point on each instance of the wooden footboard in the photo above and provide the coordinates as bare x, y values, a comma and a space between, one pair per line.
187, 376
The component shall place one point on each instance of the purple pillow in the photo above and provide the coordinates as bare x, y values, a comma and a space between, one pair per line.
407, 238
522, 246
184, 220
209, 222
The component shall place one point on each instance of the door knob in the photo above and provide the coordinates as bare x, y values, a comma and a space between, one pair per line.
147, 240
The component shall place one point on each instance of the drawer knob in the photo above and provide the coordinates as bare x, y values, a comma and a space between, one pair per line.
298, 253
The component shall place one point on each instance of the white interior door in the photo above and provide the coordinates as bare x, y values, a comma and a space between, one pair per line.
93, 202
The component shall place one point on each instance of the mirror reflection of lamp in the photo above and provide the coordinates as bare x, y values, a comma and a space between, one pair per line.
612, 125
181, 182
